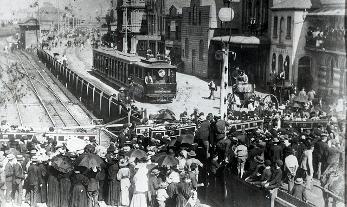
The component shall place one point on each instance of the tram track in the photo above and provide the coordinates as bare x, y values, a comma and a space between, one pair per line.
57, 111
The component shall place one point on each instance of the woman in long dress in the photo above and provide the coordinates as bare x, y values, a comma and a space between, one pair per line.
65, 186
123, 176
140, 186
184, 191
53, 190
113, 183
79, 193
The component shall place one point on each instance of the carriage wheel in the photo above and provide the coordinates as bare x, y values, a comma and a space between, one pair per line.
269, 101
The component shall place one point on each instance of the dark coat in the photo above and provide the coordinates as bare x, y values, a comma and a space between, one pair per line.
113, 185
18, 173
204, 131
220, 129
33, 175
9, 172
299, 191
320, 151
276, 153
276, 177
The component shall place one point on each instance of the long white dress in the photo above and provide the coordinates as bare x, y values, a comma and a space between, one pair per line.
141, 187
124, 175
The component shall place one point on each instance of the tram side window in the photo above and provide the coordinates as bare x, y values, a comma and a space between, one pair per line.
113, 68
118, 70
126, 74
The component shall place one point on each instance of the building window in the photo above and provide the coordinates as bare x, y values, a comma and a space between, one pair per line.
199, 17
186, 48
201, 50
289, 28
273, 64
281, 30
330, 73
280, 64
190, 18
274, 33
177, 34
286, 68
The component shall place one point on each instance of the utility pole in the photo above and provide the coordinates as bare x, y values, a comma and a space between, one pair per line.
225, 15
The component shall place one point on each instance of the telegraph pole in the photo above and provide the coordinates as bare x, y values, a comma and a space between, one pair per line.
225, 15
125, 42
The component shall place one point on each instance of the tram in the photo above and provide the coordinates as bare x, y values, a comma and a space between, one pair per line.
152, 79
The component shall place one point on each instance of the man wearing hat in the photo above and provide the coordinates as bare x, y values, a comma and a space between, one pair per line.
291, 166
299, 190
9, 173
33, 180
275, 151
320, 153
18, 179
204, 133
2, 181
153, 185
276, 177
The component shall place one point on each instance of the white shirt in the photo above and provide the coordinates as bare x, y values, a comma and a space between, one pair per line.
291, 162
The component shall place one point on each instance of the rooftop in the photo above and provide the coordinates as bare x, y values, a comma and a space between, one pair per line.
292, 4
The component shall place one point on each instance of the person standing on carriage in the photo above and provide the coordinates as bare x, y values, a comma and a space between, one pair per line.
243, 78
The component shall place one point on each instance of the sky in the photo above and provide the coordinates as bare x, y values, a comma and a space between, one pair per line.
87, 7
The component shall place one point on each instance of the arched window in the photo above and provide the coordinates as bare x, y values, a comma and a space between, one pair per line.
199, 17
280, 64
281, 29
274, 32
194, 15
201, 50
186, 43
330, 73
286, 68
273, 64
289, 28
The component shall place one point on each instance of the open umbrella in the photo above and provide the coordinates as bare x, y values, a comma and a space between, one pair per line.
89, 161
137, 153
167, 160
62, 164
165, 115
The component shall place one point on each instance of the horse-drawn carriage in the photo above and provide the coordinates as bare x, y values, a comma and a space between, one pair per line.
241, 95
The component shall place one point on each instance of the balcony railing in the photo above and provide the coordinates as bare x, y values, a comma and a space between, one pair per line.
328, 39
325, 44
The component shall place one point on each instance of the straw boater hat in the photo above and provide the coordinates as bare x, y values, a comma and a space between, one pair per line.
34, 159
10, 156
299, 181
20, 158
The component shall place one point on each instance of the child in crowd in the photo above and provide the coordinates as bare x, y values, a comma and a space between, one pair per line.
162, 194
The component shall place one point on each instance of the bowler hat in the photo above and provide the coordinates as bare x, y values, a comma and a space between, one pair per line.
279, 163
192, 153
299, 181
259, 159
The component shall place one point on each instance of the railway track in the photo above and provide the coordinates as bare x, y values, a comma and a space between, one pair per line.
56, 109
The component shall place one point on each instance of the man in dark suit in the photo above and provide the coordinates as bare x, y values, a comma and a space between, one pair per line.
18, 179
204, 135
33, 181
275, 151
320, 154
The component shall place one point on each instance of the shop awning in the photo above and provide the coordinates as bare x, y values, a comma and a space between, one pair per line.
328, 12
245, 40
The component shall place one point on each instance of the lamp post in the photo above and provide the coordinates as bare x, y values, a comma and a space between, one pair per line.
225, 15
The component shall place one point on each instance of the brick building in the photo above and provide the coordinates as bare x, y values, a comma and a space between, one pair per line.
308, 44
140, 25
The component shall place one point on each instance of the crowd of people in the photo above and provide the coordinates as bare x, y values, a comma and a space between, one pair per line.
322, 37
145, 171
